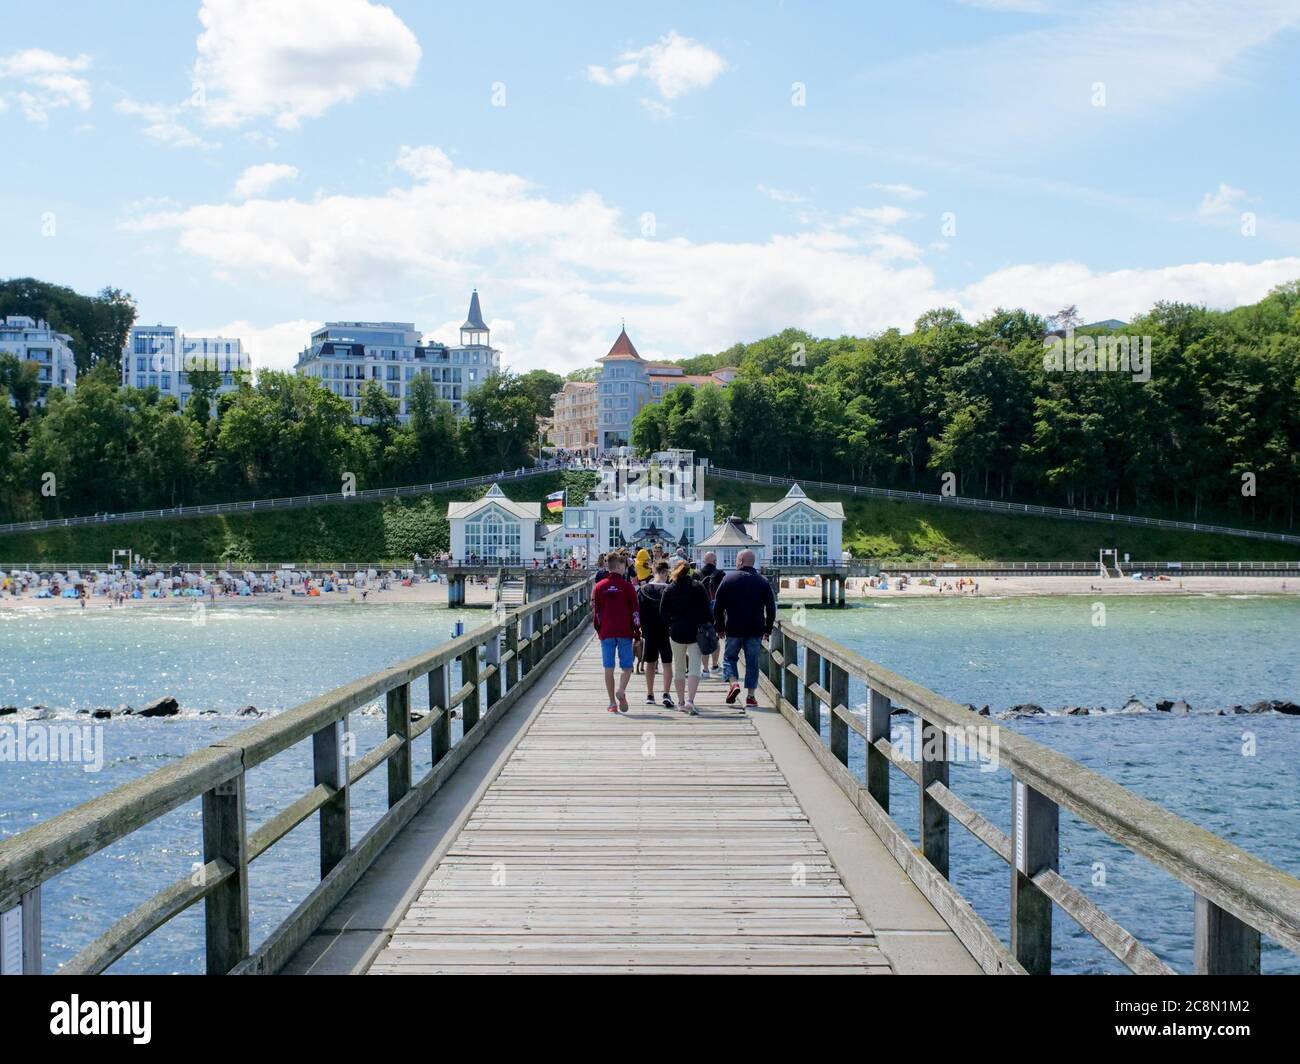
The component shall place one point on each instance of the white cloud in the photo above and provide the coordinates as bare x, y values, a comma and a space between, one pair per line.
675, 64
899, 191
162, 122
258, 179
46, 82
780, 195
295, 59
1226, 200
568, 270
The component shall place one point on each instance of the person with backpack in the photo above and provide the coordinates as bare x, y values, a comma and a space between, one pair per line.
617, 620
744, 613
656, 647
685, 608
710, 576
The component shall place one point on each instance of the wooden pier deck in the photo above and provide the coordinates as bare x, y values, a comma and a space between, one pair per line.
645, 842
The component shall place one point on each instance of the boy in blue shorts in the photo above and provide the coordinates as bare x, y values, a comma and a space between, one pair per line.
617, 621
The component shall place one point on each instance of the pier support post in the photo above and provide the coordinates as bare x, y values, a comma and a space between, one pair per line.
879, 708
469, 709
841, 581
1224, 945
812, 674
933, 763
226, 905
1035, 841
838, 687
399, 724
455, 589
439, 699
824, 580
330, 763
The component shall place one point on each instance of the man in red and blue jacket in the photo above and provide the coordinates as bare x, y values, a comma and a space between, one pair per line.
617, 621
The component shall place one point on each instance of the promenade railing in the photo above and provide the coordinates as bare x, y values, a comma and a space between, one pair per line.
494, 664
1238, 897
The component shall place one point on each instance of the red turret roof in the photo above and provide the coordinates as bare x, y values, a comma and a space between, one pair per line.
622, 349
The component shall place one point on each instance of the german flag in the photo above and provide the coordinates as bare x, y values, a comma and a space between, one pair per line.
555, 502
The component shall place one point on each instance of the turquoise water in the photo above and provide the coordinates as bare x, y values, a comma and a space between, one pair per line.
1238, 776
1212, 651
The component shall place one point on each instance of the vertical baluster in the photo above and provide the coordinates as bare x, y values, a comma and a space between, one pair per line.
439, 699
934, 818
399, 762
789, 675
879, 709
1035, 839
494, 680
1224, 945
330, 763
469, 675
812, 674
512, 651
20, 936
838, 680
226, 905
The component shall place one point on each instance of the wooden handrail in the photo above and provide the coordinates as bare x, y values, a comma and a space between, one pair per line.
1239, 896
216, 775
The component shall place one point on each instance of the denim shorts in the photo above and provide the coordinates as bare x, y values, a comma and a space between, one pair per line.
624, 647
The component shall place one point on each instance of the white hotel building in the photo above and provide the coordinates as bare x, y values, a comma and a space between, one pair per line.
345, 356
158, 356
30, 340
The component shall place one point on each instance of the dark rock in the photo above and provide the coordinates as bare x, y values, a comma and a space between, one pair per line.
123, 710
897, 710
1028, 709
1164, 705
1259, 707
416, 714
1134, 705
1076, 711
102, 714
984, 711
162, 707
6, 710
1289, 708
248, 711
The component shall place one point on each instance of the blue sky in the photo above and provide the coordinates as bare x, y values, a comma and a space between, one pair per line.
710, 174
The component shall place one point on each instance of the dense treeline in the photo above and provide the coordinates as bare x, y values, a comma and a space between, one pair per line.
1215, 431
105, 448
98, 324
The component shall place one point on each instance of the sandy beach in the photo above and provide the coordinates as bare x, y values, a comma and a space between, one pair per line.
482, 595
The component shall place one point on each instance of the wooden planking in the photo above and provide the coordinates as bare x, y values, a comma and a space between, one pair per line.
645, 842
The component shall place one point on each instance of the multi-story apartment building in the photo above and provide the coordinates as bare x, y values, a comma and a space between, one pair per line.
628, 383
345, 356
574, 424
35, 341
161, 356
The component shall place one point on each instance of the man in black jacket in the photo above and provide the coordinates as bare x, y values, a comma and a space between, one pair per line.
744, 610
710, 576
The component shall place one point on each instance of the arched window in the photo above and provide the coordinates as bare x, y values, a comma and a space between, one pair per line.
799, 540
652, 515
493, 536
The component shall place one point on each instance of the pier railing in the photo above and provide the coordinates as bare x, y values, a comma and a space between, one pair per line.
1238, 897
497, 663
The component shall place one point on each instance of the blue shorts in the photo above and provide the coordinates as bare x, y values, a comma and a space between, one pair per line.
624, 645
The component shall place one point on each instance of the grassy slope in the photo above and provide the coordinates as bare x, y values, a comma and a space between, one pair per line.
396, 530
880, 528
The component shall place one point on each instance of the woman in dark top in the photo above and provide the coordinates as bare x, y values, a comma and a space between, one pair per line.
685, 607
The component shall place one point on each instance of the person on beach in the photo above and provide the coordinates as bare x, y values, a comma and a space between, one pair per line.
656, 647
685, 607
617, 621
744, 613
711, 576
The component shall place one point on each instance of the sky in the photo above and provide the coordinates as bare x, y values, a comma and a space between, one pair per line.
707, 174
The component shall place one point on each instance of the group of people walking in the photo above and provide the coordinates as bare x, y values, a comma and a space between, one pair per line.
663, 611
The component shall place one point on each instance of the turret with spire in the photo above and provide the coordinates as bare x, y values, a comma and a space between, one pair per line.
474, 333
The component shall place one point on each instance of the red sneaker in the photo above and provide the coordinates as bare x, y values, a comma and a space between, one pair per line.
733, 693
612, 709
750, 700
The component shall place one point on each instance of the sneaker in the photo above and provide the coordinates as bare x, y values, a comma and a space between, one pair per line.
690, 710
733, 694
650, 700
750, 700
669, 703
704, 674
612, 709
622, 702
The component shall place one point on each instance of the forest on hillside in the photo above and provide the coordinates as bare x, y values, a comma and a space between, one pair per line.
1215, 430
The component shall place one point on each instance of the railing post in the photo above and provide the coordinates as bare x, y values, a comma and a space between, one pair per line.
1035, 841
879, 708
20, 936
226, 905
399, 762
512, 651
330, 764
812, 674
469, 709
1224, 945
440, 699
838, 688
933, 763
493, 657
790, 678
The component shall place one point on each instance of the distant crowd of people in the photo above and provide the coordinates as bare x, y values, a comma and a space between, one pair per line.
656, 610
